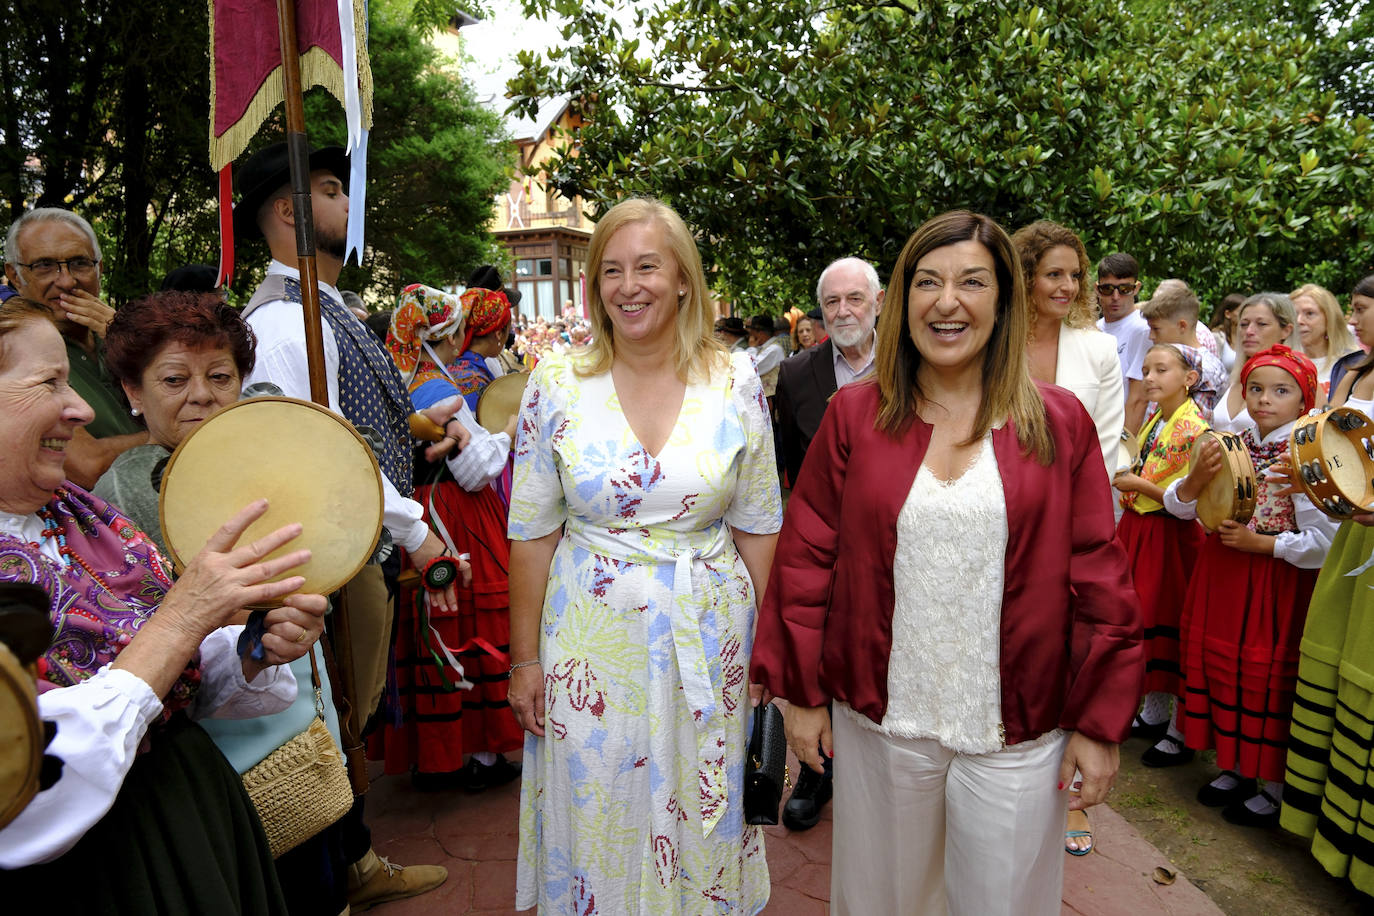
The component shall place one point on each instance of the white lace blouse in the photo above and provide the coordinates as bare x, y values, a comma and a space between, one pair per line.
944, 680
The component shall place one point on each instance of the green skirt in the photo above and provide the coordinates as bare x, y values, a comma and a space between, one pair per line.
182, 837
1329, 796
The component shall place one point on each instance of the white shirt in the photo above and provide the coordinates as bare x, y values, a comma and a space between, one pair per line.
768, 356
844, 372
1132, 335
102, 720
281, 360
945, 679
1305, 548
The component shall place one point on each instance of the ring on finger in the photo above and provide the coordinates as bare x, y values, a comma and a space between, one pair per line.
304, 633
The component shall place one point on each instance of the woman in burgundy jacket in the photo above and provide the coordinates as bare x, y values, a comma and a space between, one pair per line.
946, 574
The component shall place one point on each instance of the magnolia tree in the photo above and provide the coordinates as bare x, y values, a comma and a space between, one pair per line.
790, 133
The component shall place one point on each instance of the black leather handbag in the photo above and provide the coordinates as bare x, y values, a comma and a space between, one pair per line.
765, 767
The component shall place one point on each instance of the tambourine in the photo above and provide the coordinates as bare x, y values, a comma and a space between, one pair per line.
1231, 493
1333, 454
310, 464
25, 633
501, 400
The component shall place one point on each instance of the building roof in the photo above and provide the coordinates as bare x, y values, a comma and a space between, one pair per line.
490, 89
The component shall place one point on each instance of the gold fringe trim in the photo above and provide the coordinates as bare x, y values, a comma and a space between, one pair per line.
364, 61
317, 69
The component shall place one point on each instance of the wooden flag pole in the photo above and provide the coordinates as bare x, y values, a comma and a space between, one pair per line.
298, 156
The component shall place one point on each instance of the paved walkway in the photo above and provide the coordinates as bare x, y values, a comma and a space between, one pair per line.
475, 837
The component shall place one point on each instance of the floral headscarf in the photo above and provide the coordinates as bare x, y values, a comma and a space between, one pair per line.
1204, 390
422, 314
1295, 364
487, 310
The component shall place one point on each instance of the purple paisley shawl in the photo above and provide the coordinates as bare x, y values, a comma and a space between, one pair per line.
95, 618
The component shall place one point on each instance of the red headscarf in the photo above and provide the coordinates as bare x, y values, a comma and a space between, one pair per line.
487, 310
1292, 362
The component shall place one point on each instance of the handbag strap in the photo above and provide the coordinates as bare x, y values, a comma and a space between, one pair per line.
315, 681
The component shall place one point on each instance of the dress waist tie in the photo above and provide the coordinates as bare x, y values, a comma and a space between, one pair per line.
700, 688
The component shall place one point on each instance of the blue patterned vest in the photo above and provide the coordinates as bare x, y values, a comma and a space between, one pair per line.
371, 392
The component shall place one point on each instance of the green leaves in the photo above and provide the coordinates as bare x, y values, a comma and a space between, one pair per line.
791, 137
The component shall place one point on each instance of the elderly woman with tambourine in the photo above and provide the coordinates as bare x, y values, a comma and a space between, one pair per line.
147, 815
180, 357
431, 330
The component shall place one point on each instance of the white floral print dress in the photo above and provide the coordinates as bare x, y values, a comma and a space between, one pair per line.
633, 801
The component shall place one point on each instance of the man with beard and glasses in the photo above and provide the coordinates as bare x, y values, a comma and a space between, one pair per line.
366, 389
850, 297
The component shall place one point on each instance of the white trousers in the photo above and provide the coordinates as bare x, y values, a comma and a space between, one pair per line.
921, 830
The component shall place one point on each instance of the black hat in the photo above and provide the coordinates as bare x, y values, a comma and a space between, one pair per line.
24, 624
266, 171
760, 323
485, 277
730, 325
192, 278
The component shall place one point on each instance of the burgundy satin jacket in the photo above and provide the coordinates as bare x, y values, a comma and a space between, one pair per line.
1071, 651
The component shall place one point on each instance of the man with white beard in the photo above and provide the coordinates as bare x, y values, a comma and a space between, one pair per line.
850, 297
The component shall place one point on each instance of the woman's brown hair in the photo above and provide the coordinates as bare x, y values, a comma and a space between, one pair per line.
1008, 390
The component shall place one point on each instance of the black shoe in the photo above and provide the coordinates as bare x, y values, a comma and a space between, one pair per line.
1213, 797
1151, 732
477, 777
803, 809
1240, 813
1154, 757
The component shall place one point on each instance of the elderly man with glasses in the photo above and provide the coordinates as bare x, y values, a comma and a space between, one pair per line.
52, 257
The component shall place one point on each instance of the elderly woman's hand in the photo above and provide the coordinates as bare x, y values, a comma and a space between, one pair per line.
292, 630
223, 578
808, 728
1097, 761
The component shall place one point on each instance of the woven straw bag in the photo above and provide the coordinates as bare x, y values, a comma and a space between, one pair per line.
302, 787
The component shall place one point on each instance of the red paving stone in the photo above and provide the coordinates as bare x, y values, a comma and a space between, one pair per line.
475, 837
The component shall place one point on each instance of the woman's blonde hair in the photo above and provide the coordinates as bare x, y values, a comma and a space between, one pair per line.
1008, 390
1339, 340
696, 352
1031, 244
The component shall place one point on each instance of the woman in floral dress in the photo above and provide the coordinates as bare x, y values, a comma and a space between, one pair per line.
643, 518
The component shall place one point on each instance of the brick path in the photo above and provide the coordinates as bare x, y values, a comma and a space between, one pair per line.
475, 837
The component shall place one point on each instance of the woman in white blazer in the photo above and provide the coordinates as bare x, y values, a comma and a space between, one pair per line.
1067, 349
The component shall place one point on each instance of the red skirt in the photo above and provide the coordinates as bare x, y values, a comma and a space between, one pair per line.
1242, 625
436, 723
1161, 550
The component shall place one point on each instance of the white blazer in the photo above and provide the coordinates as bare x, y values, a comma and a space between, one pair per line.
1088, 366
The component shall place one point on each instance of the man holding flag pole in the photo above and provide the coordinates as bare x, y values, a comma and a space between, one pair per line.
297, 198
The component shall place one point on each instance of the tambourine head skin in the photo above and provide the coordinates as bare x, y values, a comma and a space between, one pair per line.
1333, 453
21, 737
1231, 493
501, 400
309, 463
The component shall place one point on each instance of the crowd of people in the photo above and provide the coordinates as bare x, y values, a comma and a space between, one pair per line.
987, 572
